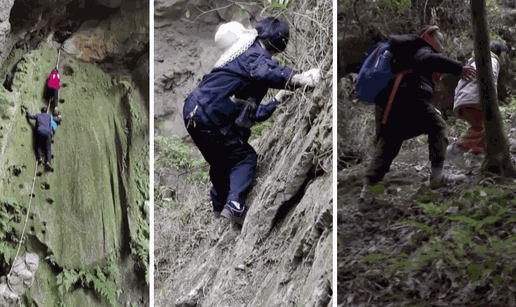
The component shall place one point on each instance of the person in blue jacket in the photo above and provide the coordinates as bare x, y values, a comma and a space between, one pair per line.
218, 114
43, 136
54, 124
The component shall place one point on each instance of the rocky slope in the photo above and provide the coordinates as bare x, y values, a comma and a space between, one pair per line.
283, 253
87, 218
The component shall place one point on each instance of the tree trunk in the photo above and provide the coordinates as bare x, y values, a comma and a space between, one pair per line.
498, 157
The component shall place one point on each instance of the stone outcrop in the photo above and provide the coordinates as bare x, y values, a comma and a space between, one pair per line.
89, 212
282, 255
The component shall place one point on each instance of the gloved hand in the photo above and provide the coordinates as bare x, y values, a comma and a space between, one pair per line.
283, 96
309, 78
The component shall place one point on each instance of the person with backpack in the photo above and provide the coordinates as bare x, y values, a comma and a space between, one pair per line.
218, 113
404, 108
44, 136
53, 84
467, 106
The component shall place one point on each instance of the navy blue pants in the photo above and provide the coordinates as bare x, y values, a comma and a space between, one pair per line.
55, 91
232, 164
44, 144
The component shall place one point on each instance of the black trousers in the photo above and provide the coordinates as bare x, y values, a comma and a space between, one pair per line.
407, 118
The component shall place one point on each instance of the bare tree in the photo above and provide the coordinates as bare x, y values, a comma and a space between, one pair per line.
498, 157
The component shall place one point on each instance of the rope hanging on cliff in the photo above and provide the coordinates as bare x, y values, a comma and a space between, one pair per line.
30, 201
23, 231
58, 57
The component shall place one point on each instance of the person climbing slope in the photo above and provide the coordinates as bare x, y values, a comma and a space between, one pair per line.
43, 136
467, 106
53, 84
411, 113
218, 114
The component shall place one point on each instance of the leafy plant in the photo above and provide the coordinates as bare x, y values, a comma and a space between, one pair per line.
174, 153
10, 211
280, 4
101, 280
140, 244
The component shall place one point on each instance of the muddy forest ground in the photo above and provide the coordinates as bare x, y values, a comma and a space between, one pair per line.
447, 247
451, 246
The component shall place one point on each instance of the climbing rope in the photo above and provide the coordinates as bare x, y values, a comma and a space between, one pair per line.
23, 231
58, 57
28, 212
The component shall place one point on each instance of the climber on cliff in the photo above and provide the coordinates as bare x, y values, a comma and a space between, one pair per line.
468, 107
411, 113
218, 114
57, 114
44, 136
53, 84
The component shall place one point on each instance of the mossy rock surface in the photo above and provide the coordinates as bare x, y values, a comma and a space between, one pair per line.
89, 206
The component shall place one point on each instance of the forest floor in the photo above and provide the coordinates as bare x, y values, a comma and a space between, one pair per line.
451, 246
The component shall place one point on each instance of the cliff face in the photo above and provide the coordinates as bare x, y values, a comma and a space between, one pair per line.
87, 218
283, 253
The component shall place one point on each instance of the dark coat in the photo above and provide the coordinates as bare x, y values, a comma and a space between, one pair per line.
412, 52
43, 122
246, 78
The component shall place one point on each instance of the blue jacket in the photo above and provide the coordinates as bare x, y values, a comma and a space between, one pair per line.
43, 122
53, 123
246, 78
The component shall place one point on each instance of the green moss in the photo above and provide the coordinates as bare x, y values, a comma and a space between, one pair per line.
91, 203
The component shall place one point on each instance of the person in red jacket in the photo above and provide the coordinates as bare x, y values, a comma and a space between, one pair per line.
53, 84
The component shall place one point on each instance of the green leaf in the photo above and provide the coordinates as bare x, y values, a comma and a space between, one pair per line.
474, 270
377, 189
497, 280
482, 249
277, 5
187, 14
373, 257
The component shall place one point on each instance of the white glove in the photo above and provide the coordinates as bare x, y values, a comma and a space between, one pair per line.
308, 78
283, 96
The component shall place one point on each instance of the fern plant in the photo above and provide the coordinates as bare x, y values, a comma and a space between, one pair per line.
101, 280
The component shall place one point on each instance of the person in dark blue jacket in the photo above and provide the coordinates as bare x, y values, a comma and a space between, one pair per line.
44, 135
411, 113
218, 114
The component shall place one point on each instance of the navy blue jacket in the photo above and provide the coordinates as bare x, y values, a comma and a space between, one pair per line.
247, 78
43, 122
412, 52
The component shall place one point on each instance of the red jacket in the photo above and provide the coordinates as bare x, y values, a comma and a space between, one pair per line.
53, 80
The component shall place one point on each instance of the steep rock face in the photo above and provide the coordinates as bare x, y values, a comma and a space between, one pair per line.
175, 77
194, 52
93, 31
5, 26
123, 34
89, 208
283, 253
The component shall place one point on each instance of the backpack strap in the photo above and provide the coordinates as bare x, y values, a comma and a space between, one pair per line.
374, 52
397, 82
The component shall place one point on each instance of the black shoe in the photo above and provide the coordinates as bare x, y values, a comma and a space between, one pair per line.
235, 212
40, 161
49, 167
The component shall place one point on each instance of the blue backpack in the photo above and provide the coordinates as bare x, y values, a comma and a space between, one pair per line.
375, 73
